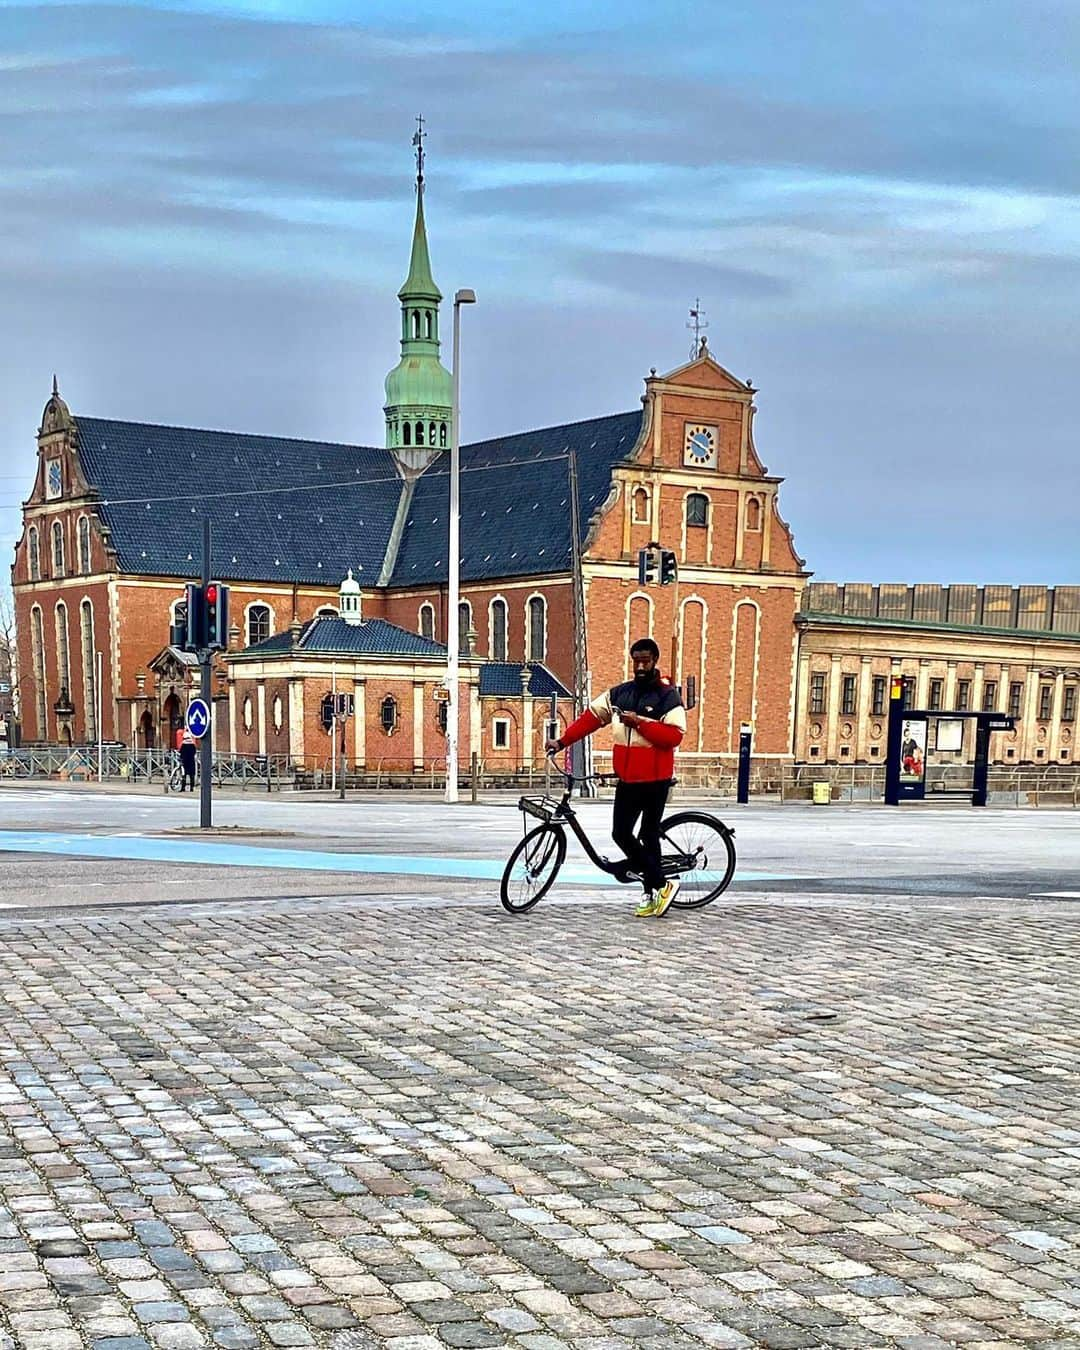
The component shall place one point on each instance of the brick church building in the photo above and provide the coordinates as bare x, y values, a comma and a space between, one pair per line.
100, 567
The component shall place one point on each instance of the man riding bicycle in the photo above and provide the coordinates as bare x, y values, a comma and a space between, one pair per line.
651, 723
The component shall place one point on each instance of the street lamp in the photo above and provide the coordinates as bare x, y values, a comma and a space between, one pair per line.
453, 622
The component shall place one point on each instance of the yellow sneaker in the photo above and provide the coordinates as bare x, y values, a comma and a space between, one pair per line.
664, 897
647, 908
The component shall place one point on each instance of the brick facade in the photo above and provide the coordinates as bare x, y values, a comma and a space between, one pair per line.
728, 621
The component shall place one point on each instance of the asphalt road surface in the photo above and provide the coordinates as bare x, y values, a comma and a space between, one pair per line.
64, 847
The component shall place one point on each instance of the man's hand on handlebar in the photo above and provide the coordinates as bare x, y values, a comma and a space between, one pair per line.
552, 747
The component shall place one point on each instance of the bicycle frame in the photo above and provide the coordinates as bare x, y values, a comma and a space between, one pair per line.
674, 864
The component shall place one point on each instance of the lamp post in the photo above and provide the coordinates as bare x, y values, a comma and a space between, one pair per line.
463, 297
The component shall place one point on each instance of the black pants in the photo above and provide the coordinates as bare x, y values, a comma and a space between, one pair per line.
187, 764
641, 846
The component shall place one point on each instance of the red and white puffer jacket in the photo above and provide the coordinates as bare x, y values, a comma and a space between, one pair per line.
644, 753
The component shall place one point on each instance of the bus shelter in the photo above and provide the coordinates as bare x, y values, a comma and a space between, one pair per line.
909, 740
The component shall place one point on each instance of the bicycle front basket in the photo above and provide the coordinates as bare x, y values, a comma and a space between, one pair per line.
543, 808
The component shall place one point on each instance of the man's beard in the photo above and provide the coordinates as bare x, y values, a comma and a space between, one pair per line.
644, 676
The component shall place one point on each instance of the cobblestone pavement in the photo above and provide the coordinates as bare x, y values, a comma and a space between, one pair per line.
423, 1124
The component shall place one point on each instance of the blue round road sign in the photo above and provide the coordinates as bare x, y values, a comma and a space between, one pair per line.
198, 717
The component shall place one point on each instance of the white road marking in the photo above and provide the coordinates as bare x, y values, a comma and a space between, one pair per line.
1058, 895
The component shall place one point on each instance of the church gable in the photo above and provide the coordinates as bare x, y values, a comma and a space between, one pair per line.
705, 372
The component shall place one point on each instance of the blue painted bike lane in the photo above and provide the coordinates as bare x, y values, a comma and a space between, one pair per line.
154, 848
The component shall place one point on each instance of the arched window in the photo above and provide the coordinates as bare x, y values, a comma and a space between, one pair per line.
37, 659
442, 435
57, 549
84, 545
427, 323
388, 714
326, 612
416, 323
258, 624
419, 433
431, 433
63, 651
497, 616
639, 511
89, 669
33, 552
407, 436
697, 509
464, 611
427, 622
753, 513
536, 646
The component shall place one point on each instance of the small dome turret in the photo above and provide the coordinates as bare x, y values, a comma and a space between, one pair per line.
349, 600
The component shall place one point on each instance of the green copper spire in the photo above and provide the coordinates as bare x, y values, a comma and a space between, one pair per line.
418, 389
419, 284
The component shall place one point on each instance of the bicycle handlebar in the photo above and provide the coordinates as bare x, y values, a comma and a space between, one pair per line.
573, 778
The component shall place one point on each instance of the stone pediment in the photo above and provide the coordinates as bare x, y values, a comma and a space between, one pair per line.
171, 665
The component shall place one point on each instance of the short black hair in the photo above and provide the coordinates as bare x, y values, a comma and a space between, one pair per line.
646, 645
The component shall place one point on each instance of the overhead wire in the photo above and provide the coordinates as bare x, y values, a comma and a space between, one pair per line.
313, 487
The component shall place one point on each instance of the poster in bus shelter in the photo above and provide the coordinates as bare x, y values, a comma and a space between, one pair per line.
913, 750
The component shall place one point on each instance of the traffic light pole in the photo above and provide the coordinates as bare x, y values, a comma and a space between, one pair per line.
206, 745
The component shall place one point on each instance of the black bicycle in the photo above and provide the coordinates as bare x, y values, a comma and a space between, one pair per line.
696, 847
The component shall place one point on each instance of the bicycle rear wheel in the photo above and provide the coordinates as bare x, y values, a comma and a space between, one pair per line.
532, 868
699, 850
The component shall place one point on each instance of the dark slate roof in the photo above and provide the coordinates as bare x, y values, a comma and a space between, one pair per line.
157, 482
374, 637
503, 679
296, 536
515, 501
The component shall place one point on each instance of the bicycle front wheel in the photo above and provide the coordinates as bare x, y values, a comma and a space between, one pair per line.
699, 850
532, 868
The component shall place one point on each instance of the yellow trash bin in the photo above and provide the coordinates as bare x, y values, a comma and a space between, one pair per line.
822, 794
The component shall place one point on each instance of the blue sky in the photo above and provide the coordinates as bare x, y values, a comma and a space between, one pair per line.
205, 212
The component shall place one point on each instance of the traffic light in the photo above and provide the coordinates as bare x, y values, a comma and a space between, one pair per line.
669, 568
646, 566
194, 638
216, 617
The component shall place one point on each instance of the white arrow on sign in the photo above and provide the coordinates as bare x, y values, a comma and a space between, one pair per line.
198, 717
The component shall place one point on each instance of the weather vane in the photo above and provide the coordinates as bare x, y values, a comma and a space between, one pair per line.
697, 325
418, 146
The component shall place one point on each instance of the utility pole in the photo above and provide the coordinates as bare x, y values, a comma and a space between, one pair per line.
581, 649
206, 675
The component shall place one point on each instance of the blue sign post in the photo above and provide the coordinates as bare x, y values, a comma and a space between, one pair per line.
197, 718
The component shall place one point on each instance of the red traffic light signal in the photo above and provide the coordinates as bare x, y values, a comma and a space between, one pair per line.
211, 594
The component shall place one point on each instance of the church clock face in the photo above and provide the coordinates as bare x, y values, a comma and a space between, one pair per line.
54, 481
699, 446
